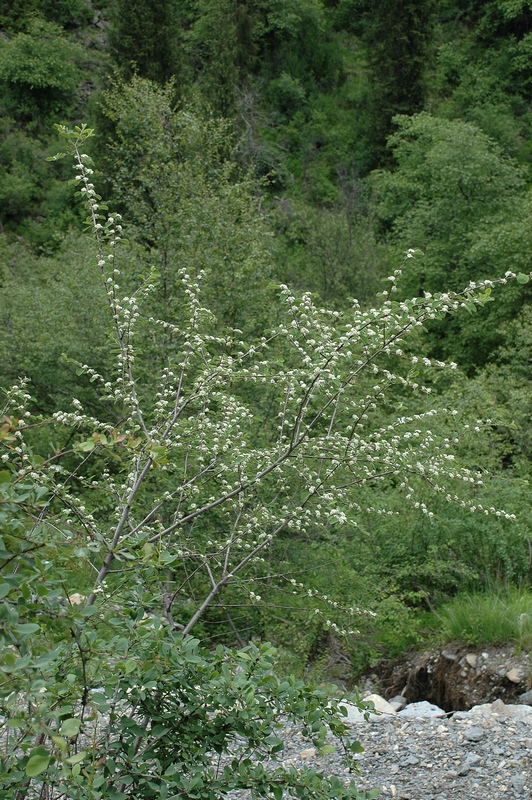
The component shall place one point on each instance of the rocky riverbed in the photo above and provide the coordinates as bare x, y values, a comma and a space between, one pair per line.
421, 753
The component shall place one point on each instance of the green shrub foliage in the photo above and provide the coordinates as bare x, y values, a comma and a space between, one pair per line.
125, 530
309, 463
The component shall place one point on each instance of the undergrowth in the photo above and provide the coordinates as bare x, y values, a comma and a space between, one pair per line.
499, 617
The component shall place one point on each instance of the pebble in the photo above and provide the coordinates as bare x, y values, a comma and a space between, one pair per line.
468, 756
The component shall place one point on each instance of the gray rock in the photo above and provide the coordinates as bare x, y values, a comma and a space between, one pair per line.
421, 710
518, 782
520, 712
461, 715
449, 656
398, 702
497, 711
452, 773
473, 734
355, 716
525, 698
431, 758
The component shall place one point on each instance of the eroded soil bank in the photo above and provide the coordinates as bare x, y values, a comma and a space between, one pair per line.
457, 676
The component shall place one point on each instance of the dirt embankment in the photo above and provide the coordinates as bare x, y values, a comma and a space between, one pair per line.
458, 677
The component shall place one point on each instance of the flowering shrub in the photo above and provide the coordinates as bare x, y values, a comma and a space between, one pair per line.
179, 493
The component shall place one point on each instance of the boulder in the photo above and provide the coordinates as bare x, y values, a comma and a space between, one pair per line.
421, 710
383, 710
380, 703
497, 710
526, 698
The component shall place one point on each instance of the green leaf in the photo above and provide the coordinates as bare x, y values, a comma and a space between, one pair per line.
522, 278
274, 742
5, 476
5, 588
88, 611
9, 659
70, 727
60, 742
27, 628
87, 446
16, 722
130, 665
75, 759
37, 764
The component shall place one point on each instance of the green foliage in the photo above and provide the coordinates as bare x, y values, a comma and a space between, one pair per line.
398, 38
497, 617
39, 71
296, 39
144, 38
175, 173
451, 188
332, 251
307, 88
289, 44
287, 94
215, 38
28, 191
78, 689
14, 14
180, 465
50, 311
45, 54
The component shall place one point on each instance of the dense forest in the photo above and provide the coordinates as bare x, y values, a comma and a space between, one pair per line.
276, 386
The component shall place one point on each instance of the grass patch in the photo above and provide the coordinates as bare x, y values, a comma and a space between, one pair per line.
490, 618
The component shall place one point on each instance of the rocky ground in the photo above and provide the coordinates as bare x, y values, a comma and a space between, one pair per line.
482, 754
465, 730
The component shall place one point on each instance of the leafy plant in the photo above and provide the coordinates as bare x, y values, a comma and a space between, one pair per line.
179, 491
39, 70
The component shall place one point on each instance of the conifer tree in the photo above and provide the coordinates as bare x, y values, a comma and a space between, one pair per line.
144, 38
397, 34
223, 41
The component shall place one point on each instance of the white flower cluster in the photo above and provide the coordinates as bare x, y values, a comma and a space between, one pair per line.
236, 444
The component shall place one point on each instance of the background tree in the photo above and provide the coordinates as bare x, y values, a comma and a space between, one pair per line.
398, 38
176, 173
40, 73
144, 38
451, 186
